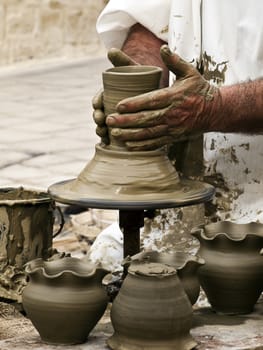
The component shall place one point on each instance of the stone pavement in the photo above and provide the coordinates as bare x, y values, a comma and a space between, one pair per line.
47, 133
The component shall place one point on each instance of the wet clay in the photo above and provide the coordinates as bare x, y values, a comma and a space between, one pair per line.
116, 178
130, 179
127, 81
11, 196
26, 229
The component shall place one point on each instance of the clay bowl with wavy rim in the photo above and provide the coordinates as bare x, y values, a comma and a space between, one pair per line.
64, 298
232, 276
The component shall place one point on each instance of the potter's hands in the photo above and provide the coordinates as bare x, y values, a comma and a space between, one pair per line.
163, 116
118, 58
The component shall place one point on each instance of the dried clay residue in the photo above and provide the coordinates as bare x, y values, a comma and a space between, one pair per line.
220, 207
231, 152
211, 70
170, 229
246, 146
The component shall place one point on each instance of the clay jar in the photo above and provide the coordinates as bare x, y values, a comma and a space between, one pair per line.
26, 221
147, 312
185, 264
64, 299
232, 276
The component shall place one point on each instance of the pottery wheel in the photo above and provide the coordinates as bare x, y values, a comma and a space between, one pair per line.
131, 182
190, 192
117, 179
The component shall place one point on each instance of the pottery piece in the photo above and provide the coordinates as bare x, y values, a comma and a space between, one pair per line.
117, 178
185, 264
26, 232
147, 312
130, 180
232, 276
64, 299
26, 225
127, 81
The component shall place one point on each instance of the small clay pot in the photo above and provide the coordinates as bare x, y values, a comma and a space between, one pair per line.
232, 276
127, 81
64, 299
185, 264
151, 311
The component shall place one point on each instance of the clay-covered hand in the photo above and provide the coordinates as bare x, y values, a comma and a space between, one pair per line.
154, 119
118, 58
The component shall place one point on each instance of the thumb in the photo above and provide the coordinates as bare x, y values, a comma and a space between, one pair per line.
119, 58
176, 64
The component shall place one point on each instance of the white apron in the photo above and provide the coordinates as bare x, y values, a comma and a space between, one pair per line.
227, 36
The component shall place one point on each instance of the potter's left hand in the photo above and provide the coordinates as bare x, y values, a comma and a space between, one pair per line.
163, 116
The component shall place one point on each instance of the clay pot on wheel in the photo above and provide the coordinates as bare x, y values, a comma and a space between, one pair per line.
232, 276
185, 264
148, 314
64, 299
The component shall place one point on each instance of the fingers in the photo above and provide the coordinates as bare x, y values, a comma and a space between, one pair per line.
105, 140
97, 101
136, 120
149, 101
176, 64
99, 117
102, 132
149, 145
119, 58
140, 134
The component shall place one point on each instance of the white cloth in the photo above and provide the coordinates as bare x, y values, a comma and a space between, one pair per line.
107, 249
228, 31
228, 37
118, 16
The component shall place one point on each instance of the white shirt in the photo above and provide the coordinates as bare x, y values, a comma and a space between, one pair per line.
228, 36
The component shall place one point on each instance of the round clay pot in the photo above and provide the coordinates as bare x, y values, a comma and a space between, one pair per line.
64, 299
185, 264
232, 276
147, 312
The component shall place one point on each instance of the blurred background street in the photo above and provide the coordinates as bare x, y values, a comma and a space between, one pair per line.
51, 63
47, 133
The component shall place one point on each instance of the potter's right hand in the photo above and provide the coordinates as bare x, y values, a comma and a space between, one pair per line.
117, 58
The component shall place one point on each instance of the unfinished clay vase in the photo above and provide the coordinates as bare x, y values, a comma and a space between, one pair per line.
118, 178
127, 81
232, 276
148, 314
64, 299
185, 264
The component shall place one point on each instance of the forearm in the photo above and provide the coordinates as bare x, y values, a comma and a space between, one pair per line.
144, 47
239, 108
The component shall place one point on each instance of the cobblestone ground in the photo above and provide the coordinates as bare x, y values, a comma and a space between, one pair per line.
47, 133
